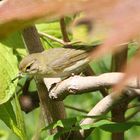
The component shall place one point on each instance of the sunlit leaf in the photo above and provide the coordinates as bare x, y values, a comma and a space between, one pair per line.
15, 41
8, 71
53, 29
4, 135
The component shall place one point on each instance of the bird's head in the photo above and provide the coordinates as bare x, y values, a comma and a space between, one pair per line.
30, 64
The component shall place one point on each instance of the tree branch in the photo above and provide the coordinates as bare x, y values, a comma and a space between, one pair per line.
76, 109
119, 59
52, 111
57, 39
78, 84
64, 31
104, 106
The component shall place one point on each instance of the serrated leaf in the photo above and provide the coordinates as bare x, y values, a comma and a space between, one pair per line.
8, 71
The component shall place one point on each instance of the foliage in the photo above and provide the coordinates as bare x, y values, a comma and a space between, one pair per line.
103, 124
8, 71
114, 29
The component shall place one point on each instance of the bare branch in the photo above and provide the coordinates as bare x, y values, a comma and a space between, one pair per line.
42, 34
64, 30
76, 109
104, 106
78, 84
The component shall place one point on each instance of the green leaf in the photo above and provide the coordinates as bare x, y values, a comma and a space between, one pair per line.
15, 41
95, 125
20, 118
119, 127
111, 126
52, 28
70, 122
8, 71
65, 123
53, 137
105, 125
7, 115
4, 135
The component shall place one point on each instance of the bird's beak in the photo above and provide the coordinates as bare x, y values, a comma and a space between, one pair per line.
19, 75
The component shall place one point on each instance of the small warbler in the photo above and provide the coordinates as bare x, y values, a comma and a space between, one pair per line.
55, 62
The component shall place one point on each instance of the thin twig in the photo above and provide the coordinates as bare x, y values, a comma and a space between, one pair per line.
76, 109
42, 34
64, 31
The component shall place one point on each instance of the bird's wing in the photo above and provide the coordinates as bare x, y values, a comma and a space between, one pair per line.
61, 58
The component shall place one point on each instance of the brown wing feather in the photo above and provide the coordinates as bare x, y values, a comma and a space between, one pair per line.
65, 57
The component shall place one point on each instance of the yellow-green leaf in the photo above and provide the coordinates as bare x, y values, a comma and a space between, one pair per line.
8, 71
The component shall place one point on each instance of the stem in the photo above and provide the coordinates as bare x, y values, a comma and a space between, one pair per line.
52, 111
118, 112
76, 109
64, 31
57, 39
118, 115
31, 39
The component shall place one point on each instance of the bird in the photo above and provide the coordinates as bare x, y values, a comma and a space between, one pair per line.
55, 62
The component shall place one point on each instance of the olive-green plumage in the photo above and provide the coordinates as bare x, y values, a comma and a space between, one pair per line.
55, 62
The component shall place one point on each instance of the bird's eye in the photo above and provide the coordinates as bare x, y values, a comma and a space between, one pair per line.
28, 67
